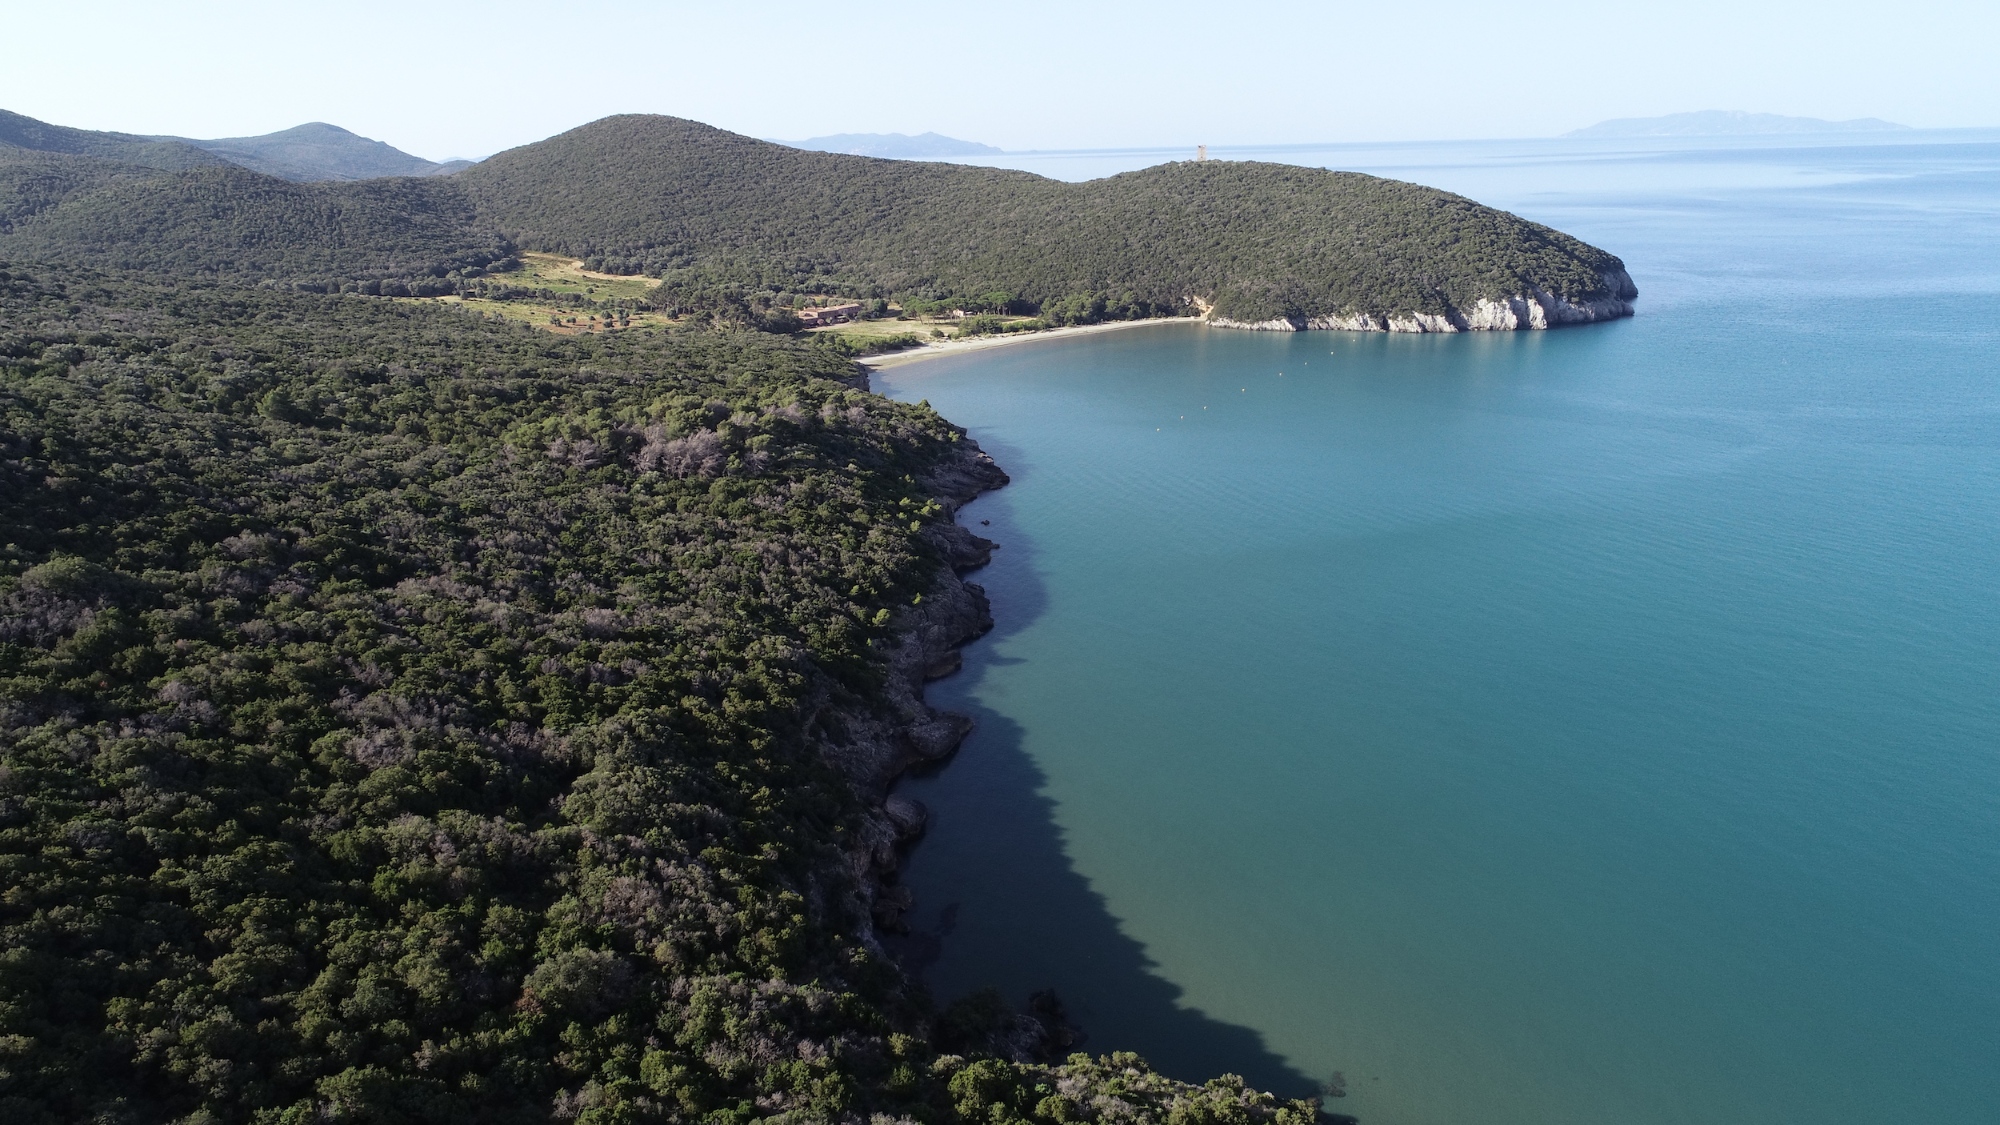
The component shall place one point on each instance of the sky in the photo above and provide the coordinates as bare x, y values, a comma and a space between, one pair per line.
470, 79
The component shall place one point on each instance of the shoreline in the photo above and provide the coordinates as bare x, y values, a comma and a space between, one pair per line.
981, 343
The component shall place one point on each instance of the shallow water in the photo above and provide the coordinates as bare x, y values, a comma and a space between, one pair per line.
1583, 726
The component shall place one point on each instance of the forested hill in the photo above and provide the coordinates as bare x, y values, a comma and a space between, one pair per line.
30, 135
413, 718
318, 151
226, 221
1255, 241
714, 213
305, 153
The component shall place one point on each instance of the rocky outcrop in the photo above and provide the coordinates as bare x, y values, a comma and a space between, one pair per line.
908, 815
1536, 309
872, 742
1275, 324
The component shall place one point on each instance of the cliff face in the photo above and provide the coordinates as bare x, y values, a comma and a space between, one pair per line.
1535, 309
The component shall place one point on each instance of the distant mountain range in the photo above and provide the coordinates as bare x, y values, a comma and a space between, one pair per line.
318, 151
896, 146
1729, 123
306, 153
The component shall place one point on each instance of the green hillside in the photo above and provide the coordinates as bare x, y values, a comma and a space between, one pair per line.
714, 214
410, 717
232, 222
305, 153
26, 133
318, 151
663, 195
32, 182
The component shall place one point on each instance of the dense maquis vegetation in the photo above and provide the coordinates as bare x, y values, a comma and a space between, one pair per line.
721, 217
678, 198
407, 717
229, 222
318, 151
412, 716
309, 152
30, 135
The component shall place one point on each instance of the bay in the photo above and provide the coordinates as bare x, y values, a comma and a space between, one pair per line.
1581, 726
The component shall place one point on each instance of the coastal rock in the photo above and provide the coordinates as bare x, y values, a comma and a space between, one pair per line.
952, 662
937, 735
1354, 322
1275, 324
959, 480
908, 815
892, 901
872, 744
1422, 322
959, 547
1534, 310
1541, 309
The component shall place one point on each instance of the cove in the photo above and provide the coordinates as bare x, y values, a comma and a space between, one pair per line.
1581, 726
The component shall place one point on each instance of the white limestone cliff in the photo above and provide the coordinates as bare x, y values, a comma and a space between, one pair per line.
1536, 309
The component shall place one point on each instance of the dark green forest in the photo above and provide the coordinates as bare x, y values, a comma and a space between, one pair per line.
719, 217
231, 223
309, 152
27, 134
410, 717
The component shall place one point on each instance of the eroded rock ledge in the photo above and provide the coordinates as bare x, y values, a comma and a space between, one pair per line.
1536, 309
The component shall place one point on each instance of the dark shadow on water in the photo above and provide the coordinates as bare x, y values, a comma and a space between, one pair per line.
999, 902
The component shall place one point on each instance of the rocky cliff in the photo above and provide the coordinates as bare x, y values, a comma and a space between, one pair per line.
1535, 309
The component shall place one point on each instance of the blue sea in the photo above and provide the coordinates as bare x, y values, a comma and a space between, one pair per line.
1596, 725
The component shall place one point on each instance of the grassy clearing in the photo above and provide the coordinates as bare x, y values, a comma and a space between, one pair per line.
567, 275
563, 320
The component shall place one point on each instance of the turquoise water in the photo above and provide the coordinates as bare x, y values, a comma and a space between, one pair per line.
1597, 725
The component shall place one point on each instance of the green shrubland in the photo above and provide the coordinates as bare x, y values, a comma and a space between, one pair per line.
407, 715
726, 221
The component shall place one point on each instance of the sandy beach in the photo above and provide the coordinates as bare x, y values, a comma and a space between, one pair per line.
979, 343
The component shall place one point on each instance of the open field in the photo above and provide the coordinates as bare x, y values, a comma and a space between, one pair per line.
566, 275
563, 320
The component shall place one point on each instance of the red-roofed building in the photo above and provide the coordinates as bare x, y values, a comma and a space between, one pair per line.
831, 314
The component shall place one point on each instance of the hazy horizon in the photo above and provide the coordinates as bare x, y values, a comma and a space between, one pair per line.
1221, 147
437, 84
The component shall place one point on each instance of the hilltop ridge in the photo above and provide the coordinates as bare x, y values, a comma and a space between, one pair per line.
319, 151
1268, 245
19, 132
717, 216
304, 153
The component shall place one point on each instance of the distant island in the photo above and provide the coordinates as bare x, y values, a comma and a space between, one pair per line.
1729, 123
305, 153
895, 146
